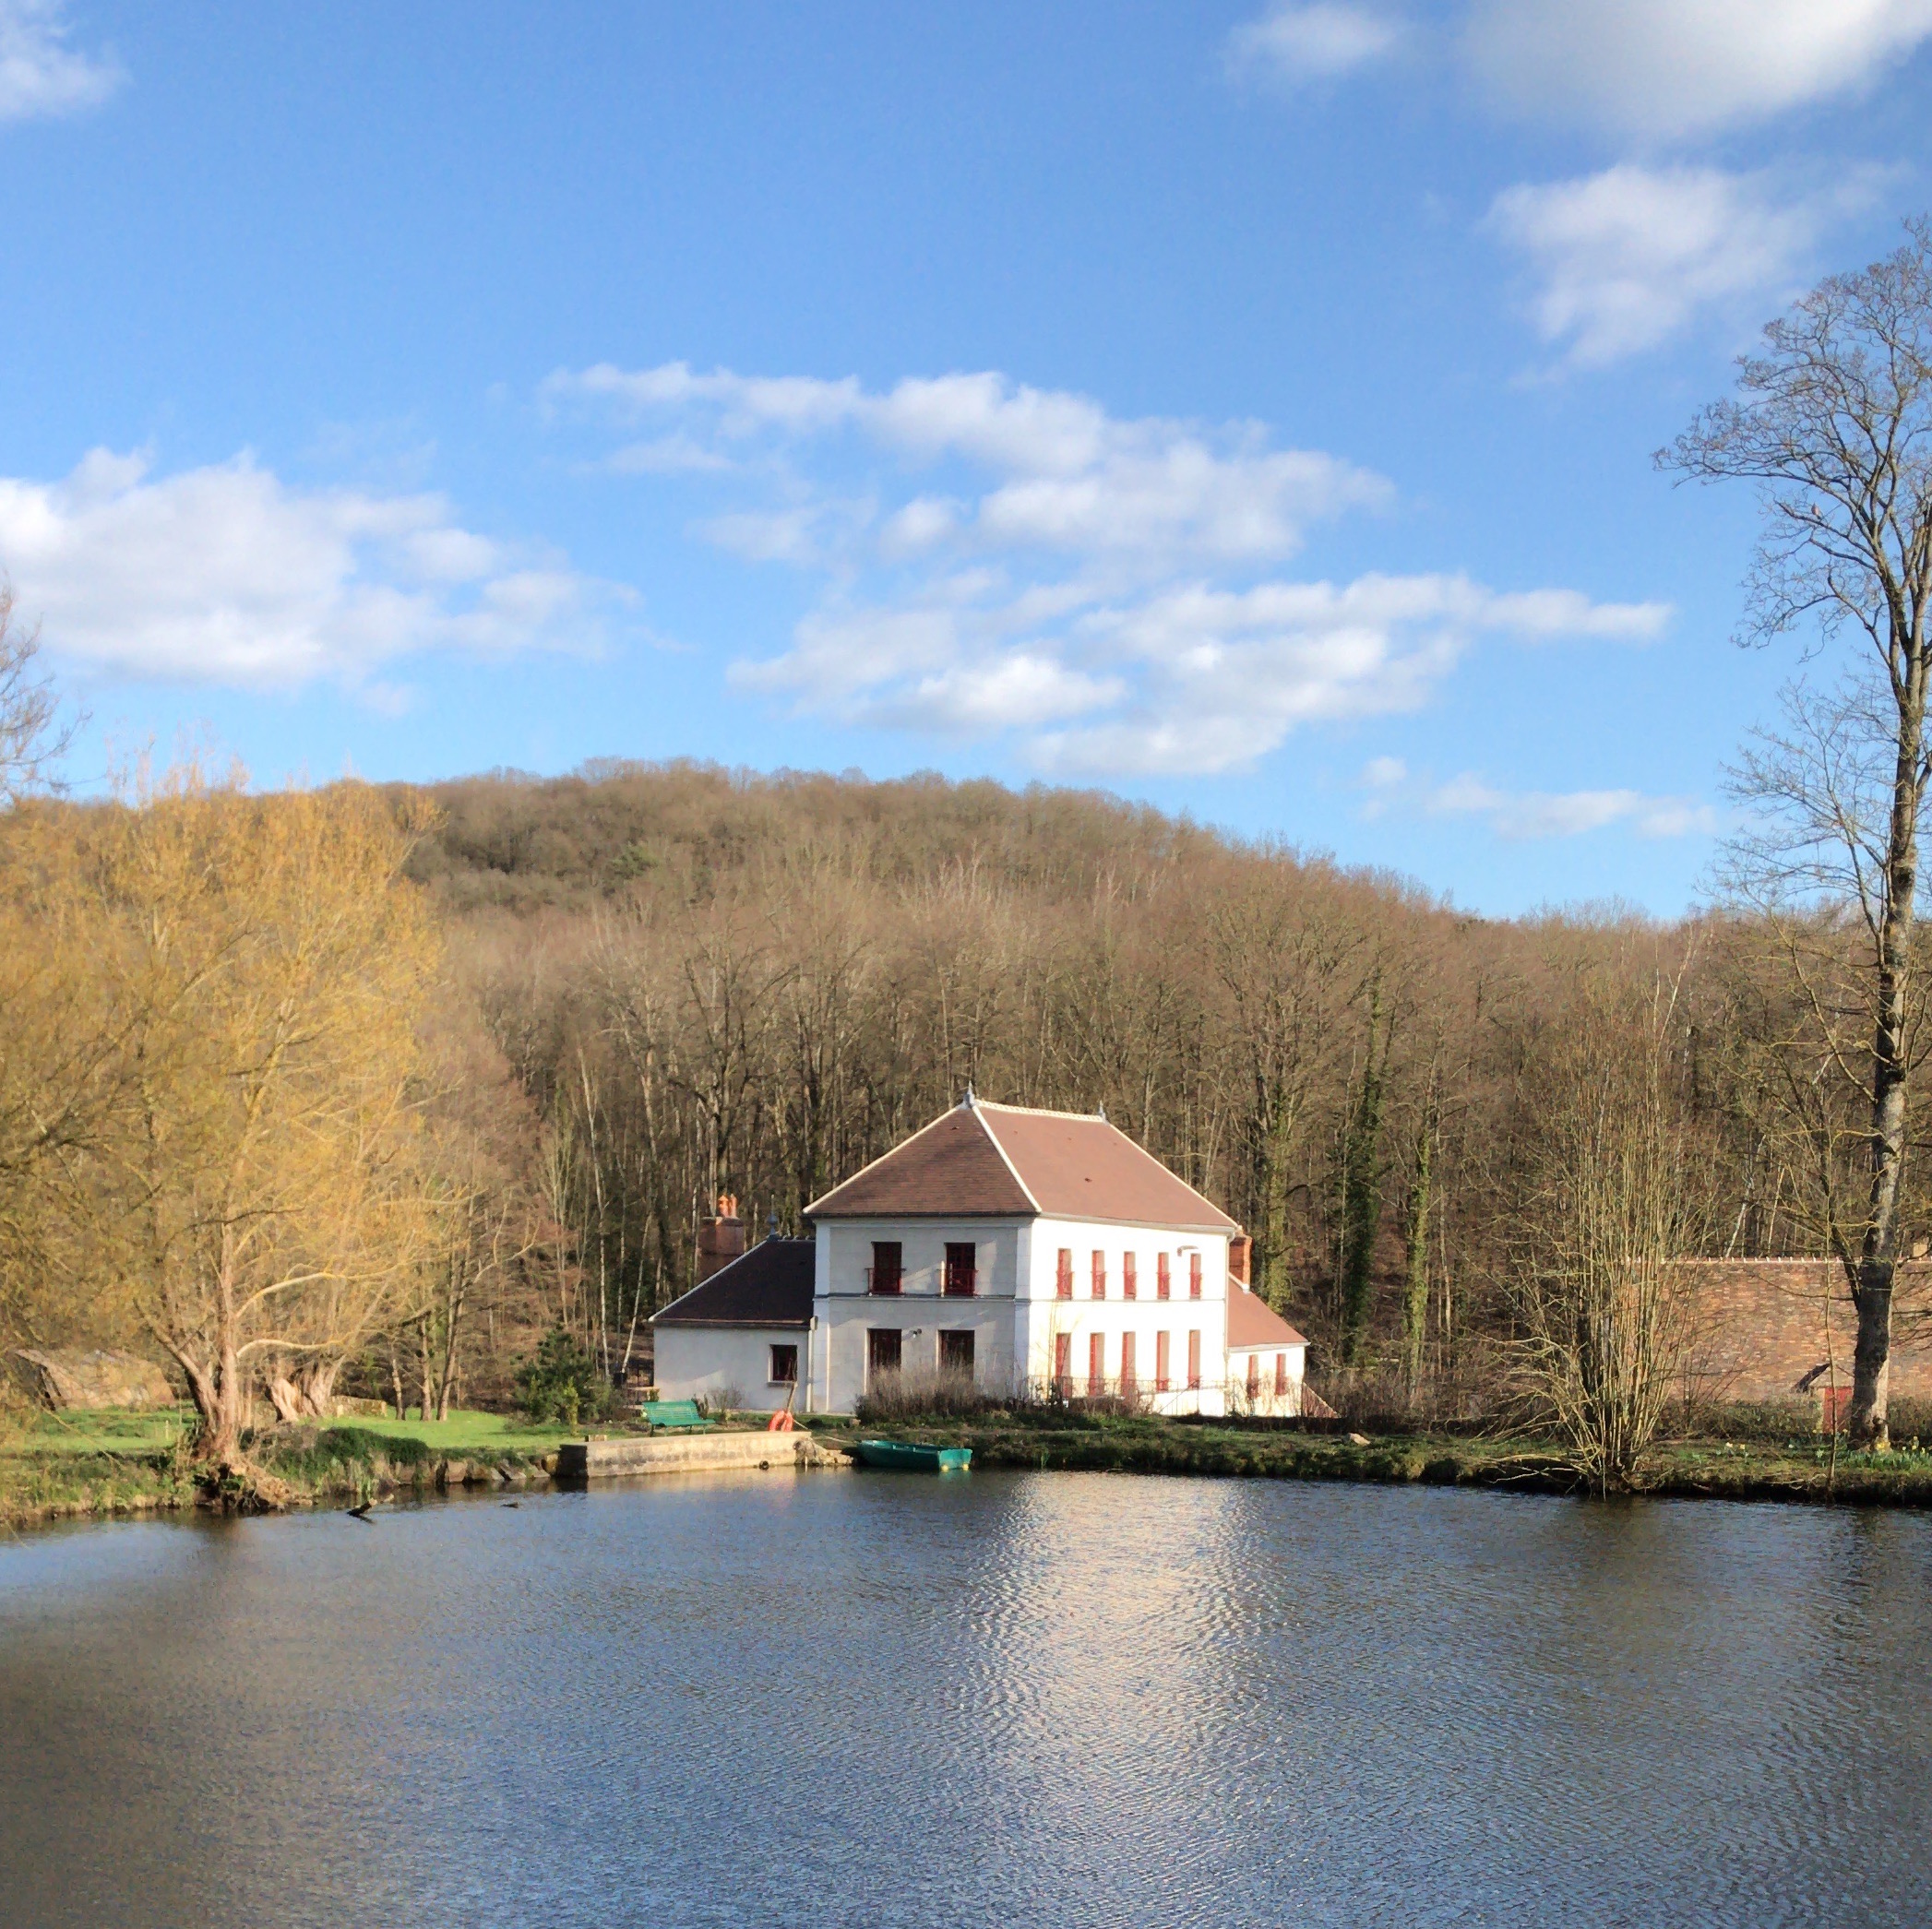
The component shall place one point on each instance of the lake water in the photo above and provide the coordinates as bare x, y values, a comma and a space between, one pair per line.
903, 1702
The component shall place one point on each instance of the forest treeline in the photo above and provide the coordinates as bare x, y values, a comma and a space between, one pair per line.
363, 1089
710, 981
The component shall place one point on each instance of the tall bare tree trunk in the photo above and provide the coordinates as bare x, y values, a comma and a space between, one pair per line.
1872, 1285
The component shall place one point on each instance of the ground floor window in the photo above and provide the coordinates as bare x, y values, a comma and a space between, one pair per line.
882, 1352
1096, 1365
1128, 1375
1063, 1365
784, 1367
1194, 1361
1161, 1365
956, 1355
1254, 1375
1281, 1373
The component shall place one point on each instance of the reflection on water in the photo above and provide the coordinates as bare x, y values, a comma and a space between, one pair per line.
903, 1703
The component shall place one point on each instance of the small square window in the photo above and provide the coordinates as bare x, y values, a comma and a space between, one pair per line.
784, 1367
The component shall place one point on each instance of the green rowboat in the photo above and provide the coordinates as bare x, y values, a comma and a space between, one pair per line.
906, 1458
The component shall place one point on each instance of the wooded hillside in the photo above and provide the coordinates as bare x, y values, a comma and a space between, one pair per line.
709, 981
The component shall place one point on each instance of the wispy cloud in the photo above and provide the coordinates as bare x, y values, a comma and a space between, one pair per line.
226, 575
1520, 815
998, 559
1627, 259
1655, 70
1296, 43
40, 75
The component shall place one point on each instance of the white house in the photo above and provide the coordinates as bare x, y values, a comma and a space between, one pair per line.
1019, 1248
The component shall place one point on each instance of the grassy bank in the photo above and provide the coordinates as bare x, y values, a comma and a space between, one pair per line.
1794, 1469
73, 1465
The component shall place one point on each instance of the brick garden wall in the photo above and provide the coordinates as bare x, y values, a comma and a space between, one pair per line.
1761, 1326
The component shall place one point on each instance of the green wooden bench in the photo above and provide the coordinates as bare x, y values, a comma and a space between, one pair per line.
665, 1414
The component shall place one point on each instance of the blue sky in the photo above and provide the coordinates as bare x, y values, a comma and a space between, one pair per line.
1245, 408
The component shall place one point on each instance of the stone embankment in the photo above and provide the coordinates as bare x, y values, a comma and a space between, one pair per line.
692, 1453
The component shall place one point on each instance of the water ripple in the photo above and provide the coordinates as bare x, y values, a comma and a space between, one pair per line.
1029, 1699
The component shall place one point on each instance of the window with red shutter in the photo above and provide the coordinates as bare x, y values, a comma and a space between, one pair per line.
1129, 1276
1096, 1365
1194, 1275
1099, 1276
961, 1269
884, 1274
1163, 1278
1063, 1280
1194, 1361
1127, 1366
1062, 1364
1281, 1373
1254, 1375
1160, 1362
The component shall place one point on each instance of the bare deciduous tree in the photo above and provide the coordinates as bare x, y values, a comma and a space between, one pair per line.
1612, 1197
1832, 423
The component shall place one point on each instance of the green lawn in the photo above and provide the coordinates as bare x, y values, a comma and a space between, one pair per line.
465, 1433
77, 1431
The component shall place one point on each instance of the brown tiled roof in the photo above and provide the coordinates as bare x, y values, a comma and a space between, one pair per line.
1253, 1322
1077, 1167
769, 1286
1006, 1161
949, 1169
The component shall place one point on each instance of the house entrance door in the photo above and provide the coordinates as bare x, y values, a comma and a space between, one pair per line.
881, 1352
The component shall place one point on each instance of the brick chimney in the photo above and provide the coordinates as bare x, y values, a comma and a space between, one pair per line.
720, 1240
1240, 1252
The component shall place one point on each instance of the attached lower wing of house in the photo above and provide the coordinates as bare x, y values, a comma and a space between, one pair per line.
1026, 1252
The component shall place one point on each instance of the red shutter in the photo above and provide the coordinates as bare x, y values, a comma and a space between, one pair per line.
1160, 1362
1062, 1364
1129, 1276
1281, 1373
1099, 1276
1063, 1282
1254, 1375
1126, 1364
1194, 1275
1096, 1365
1163, 1278
1194, 1360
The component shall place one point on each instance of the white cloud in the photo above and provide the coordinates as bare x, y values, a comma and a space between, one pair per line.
1103, 589
40, 75
1663, 69
1067, 475
1624, 259
226, 575
1520, 816
1312, 42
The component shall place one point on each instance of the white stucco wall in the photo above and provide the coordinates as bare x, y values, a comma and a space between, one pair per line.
847, 1311
1147, 1316
1266, 1400
1016, 1314
703, 1363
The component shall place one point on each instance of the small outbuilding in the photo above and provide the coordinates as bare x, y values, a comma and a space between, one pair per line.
742, 1337
1267, 1357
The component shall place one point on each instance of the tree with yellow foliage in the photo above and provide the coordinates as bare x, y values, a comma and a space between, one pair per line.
258, 1197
